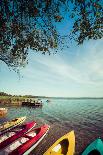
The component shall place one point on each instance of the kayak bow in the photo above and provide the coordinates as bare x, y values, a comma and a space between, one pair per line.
95, 148
63, 146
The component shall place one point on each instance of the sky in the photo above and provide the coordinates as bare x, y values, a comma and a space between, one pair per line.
73, 72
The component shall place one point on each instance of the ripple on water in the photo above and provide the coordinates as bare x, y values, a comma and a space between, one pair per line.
85, 116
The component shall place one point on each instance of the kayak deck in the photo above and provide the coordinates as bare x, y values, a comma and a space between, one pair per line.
10, 136
95, 148
19, 142
12, 123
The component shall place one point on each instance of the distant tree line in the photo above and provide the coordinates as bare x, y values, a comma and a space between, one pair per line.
4, 94
25, 96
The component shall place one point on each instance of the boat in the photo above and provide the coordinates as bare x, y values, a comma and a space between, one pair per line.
47, 100
31, 103
27, 142
3, 111
11, 124
95, 148
63, 146
14, 134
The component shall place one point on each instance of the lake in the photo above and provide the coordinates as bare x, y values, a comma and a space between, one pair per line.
84, 116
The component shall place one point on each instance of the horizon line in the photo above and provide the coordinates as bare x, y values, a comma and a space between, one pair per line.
6, 94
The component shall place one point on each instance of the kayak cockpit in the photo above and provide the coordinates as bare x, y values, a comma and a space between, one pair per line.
62, 147
94, 152
15, 145
10, 134
6, 136
19, 142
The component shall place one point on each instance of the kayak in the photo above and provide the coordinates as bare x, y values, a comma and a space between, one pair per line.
27, 142
63, 146
95, 148
14, 134
11, 124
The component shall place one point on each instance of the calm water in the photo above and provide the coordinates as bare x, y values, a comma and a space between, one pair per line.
85, 116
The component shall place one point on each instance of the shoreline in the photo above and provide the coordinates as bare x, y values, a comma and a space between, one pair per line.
52, 136
58, 130
55, 132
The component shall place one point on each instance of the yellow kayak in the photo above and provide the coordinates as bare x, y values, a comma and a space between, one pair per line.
63, 146
11, 124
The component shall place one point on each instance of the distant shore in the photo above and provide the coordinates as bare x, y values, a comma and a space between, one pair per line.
6, 96
16, 100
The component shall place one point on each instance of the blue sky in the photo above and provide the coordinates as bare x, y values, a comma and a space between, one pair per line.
74, 72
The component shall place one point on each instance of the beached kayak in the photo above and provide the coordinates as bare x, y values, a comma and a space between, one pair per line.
14, 134
27, 142
63, 146
11, 124
95, 148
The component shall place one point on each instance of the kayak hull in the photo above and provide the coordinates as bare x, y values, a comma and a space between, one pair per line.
11, 124
96, 147
64, 145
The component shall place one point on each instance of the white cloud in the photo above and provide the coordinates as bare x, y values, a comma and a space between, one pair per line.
86, 69
78, 72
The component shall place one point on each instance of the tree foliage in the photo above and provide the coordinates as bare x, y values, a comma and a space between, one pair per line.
4, 94
32, 24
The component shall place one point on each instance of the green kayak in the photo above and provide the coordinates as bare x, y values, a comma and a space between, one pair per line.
95, 148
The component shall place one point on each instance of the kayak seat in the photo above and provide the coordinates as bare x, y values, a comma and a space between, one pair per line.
94, 152
26, 136
16, 130
23, 140
31, 134
2, 138
9, 134
61, 148
14, 120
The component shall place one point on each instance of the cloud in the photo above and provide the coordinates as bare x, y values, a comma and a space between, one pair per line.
77, 72
83, 68
93, 62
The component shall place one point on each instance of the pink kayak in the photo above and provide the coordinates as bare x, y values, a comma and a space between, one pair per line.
12, 135
27, 142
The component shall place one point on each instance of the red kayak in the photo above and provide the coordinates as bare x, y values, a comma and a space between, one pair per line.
27, 142
12, 135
